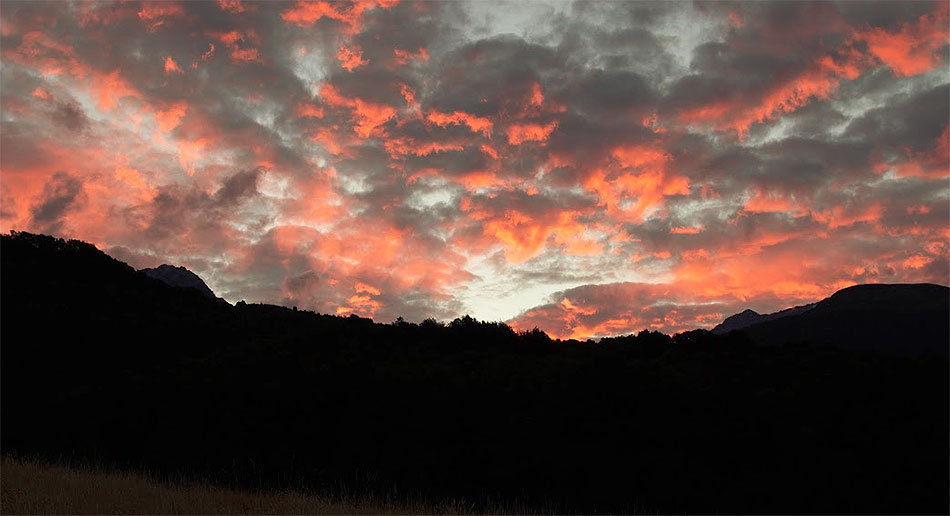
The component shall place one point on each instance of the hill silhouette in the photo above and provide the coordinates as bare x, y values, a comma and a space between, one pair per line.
904, 319
179, 277
102, 363
747, 318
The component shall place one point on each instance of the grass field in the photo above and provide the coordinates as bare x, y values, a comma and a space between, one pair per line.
28, 487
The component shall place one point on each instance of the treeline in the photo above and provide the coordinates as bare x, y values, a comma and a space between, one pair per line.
101, 363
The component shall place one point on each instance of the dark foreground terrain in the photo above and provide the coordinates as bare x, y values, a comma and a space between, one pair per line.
106, 365
37, 488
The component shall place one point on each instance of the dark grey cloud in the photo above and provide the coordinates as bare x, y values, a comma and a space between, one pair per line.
890, 15
491, 76
815, 121
238, 187
61, 193
71, 116
178, 209
914, 122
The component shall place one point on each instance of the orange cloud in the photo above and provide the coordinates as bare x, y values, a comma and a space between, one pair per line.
404, 56
331, 140
153, 10
738, 114
520, 133
135, 180
42, 94
350, 58
402, 263
632, 156
307, 13
928, 163
363, 287
409, 94
537, 97
369, 117
487, 149
308, 111
766, 268
642, 182
171, 66
841, 216
130, 176
477, 179
571, 307
622, 308
523, 236
234, 6
47, 55
112, 87
402, 147
735, 18
771, 202
913, 49
686, 230
916, 261
204, 57
189, 153
475, 123
238, 42
154, 14
245, 55
169, 118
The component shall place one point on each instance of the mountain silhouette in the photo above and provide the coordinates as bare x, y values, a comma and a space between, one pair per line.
902, 318
749, 317
179, 277
108, 366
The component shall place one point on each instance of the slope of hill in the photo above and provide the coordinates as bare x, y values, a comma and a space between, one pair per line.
905, 319
747, 318
179, 277
103, 364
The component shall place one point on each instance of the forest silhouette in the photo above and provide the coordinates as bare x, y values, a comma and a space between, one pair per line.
101, 363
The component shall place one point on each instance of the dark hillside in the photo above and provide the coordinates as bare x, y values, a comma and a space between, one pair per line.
179, 277
749, 317
102, 363
902, 319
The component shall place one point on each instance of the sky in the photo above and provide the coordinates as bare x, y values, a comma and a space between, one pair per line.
587, 168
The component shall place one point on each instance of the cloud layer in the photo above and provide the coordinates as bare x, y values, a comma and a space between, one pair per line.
588, 168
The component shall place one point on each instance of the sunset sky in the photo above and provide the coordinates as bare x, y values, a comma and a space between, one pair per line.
589, 168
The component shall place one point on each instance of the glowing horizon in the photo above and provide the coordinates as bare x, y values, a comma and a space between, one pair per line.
591, 169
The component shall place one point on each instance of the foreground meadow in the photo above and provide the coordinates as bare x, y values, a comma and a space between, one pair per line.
31, 487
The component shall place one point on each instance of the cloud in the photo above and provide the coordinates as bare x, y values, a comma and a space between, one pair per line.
423, 159
912, 49
622, 308
60, 194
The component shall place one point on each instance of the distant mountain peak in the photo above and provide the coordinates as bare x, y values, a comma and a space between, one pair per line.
904, 318
180, 277
748, 317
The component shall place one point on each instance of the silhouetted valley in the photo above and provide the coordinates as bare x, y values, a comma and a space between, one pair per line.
841, 408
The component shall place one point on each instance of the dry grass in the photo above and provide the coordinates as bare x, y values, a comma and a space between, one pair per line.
33, 488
